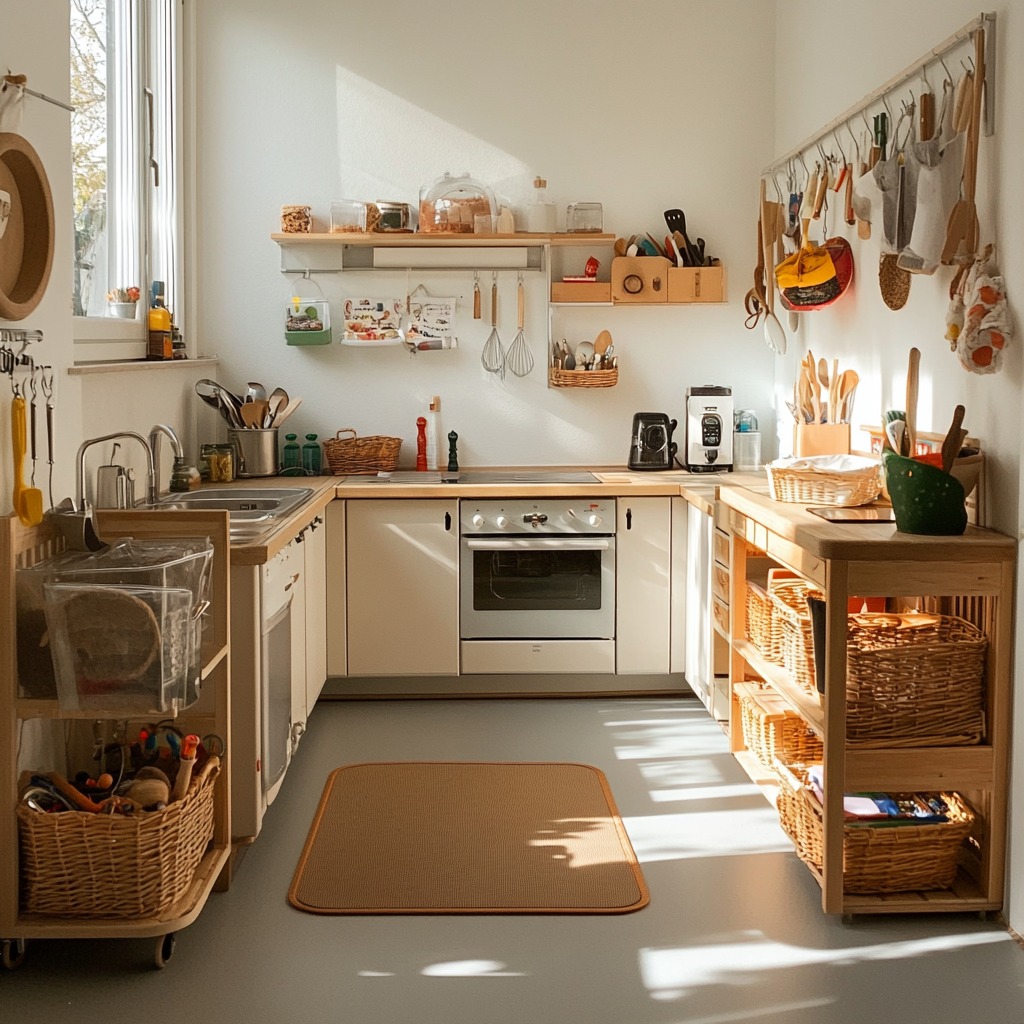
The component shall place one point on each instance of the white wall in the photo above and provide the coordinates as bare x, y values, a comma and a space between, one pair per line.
666, 105
878, 39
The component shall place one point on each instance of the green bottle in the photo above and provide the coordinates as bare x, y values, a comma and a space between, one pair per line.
311, 455
292, 455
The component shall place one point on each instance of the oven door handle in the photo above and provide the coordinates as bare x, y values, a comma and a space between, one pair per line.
538, 543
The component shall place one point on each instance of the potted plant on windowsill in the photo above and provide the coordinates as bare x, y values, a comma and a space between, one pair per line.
121, 302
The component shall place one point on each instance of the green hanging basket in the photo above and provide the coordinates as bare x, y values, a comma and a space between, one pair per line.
924, 499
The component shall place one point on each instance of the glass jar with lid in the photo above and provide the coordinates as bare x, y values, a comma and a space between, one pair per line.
217, 462
449, 205
311, 455
291, 455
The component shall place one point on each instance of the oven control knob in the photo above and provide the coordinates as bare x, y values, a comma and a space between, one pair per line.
501, 522
593, 519
477, 521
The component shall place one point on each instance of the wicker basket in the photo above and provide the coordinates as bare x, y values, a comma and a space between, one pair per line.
789, 604
356, 456
772, 731
582, 378
914, 680
760, 623
821, 486
895, 858
79, 864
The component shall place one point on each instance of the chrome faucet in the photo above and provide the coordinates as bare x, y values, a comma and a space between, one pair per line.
86, 445
154, 450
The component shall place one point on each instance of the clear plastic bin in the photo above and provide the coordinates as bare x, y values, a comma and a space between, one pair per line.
128, 650
179, 562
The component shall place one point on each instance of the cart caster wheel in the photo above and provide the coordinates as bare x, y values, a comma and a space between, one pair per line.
13, 954
164, 949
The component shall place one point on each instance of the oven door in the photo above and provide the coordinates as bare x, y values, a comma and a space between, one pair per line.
533, 588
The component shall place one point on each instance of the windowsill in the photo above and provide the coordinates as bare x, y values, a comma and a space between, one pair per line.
81, 369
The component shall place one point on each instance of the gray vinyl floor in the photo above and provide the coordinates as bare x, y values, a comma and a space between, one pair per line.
733, 933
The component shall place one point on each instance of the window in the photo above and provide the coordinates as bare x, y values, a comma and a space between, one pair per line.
125, 60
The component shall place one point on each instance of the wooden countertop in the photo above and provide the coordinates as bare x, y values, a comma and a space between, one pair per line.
697, 488
861, 541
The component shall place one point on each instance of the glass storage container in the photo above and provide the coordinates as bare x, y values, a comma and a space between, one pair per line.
311, 455
584, 218
291, 454
307, 322
349, 216
296, 220
449, 205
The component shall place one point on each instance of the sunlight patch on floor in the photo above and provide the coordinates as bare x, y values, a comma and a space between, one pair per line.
726, 833
674, 973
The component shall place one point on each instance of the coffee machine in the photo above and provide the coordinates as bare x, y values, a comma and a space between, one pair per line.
651, 445
709, 429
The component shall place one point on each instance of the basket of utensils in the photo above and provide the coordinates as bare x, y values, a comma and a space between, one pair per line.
842, 480
559, 378
79, 863
881, 854
354, 455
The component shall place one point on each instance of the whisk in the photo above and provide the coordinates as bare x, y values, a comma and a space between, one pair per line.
520, 358
493, 355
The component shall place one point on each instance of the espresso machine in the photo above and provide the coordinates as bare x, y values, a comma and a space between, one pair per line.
709, 425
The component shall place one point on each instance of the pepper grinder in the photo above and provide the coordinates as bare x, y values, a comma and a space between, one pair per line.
421, 443
453, 454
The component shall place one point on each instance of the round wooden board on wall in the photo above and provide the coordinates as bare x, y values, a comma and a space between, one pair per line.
26, 228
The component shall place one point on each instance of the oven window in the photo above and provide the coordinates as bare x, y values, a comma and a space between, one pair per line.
536, 580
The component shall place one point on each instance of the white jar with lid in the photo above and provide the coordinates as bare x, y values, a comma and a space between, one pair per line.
540, 211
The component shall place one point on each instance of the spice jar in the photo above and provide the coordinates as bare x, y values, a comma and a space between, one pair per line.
311, 455
183, 477
291, 455
217, 462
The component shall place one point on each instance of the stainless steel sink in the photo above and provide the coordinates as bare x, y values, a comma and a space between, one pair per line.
249, 505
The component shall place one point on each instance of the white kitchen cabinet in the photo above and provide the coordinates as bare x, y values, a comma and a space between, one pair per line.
402, 587
314, 542
643, 545
336, 598
706, 659
680, 597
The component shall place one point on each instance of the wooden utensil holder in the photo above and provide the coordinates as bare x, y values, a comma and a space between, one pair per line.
821, 439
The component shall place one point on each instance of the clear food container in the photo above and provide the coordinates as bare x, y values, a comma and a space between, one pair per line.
449, 205
584, 218
296, 220
348, 217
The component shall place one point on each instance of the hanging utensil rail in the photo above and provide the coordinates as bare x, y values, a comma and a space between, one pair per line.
985, 22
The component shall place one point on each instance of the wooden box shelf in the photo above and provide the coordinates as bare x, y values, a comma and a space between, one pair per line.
970, 576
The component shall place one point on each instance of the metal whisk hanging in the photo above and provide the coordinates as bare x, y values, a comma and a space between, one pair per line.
519, 358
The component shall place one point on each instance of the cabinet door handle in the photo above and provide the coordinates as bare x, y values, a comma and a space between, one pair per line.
629, 519
448, 521
291, 583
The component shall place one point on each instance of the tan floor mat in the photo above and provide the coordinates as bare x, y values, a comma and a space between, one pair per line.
442, 837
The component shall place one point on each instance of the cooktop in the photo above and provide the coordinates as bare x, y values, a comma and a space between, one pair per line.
493, 476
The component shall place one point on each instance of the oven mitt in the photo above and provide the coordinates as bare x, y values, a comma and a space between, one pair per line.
987, 327
867, 202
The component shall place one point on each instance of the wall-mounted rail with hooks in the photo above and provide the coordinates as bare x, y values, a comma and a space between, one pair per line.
985, 22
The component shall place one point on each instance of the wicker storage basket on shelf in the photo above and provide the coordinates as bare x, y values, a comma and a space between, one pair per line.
789, 603
893, 858
825, 480
771, 731
582, 378
763, 628
914, 680
355, 456
80, 864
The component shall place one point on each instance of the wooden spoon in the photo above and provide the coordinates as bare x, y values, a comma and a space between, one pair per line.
913, 372
602, 343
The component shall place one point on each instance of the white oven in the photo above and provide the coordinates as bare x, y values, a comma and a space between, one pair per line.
537, 585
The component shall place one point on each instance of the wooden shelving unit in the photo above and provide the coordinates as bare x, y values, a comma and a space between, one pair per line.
21, 547
974, 576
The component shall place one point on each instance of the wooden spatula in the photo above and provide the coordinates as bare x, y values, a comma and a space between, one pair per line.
954, 439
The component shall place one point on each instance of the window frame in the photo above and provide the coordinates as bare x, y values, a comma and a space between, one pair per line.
104, 339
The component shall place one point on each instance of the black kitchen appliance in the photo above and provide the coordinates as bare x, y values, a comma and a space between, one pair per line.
709, 429
651, 446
